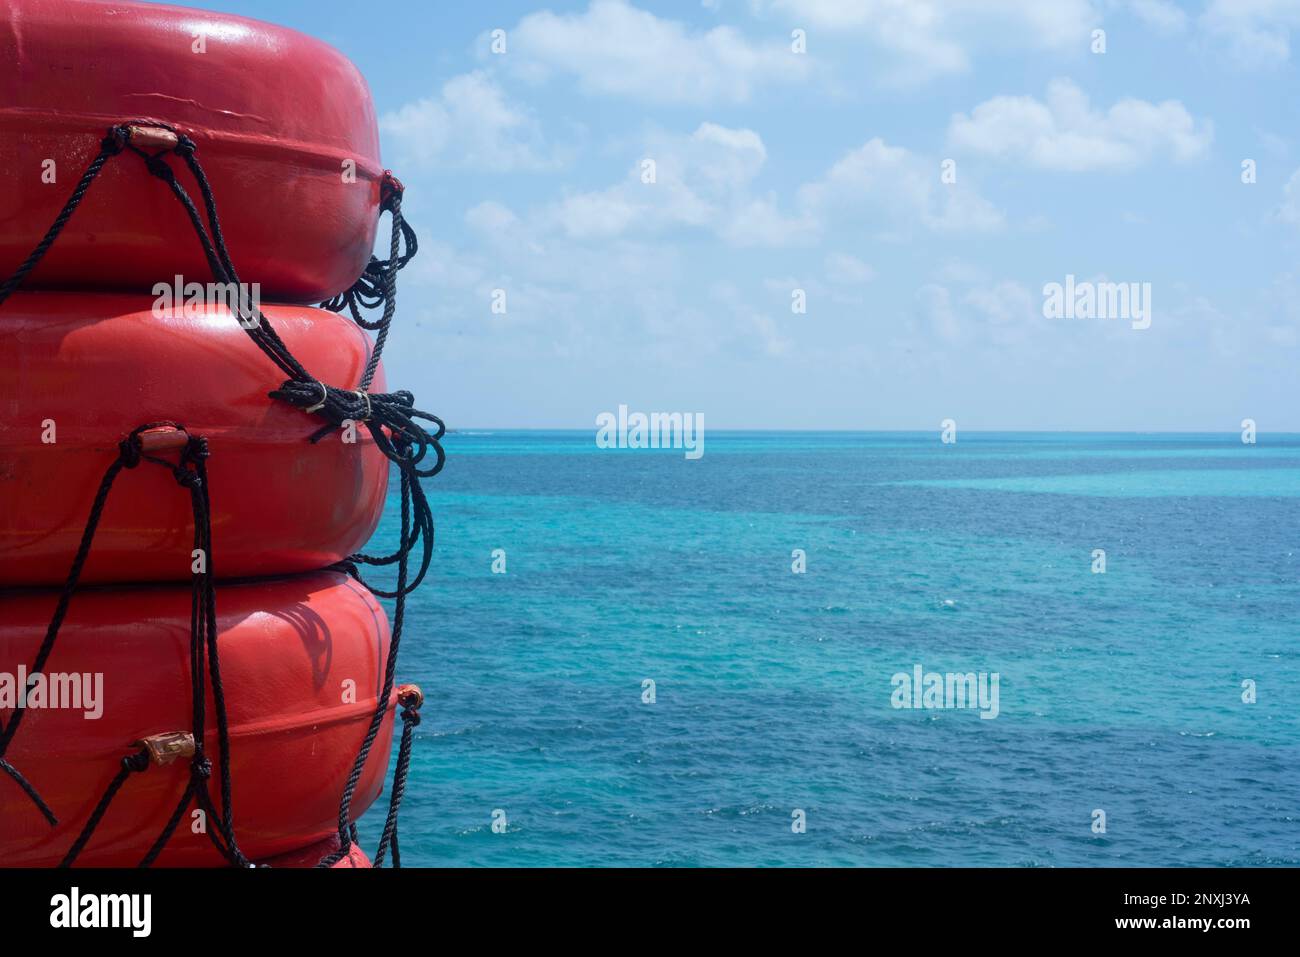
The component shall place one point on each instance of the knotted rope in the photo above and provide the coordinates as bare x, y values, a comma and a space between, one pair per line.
392, 419
190, 472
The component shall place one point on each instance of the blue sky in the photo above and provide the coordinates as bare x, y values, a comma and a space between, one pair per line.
820, 171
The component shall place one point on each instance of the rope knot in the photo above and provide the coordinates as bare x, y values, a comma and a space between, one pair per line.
114, 142
411, 698
137, 762
390, 188
129, 451
197, 448
159, 167
186, 478
365, 396
201, 767
185, 146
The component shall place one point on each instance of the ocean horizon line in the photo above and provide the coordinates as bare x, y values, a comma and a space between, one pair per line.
463, 430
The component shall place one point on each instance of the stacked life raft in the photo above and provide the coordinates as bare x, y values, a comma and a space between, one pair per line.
185, 483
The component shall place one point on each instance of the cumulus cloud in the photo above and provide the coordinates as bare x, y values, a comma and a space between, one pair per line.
708, 180
613, 48
1255, 32
704, 180
468, 123
1163, 15
895, 188
760, 222
598, 215
1066, 133
1001, 314
932, 37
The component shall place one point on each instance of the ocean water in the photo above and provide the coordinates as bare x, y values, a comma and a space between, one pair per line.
1119, 691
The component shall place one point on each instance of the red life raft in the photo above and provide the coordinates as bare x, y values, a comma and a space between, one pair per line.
286, 132
287, 127
302, 663
80, 371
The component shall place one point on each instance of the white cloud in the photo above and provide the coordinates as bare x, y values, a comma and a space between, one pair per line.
707, 180
491, 217
598, 215
932, 37
1005, 302
469, 123
747, 330
1065, 133
897, 188
973, 311
1163, 15
616, 49
941, 318
703, 181
1255, 32
737, 155
848, 270
759, 222
441, 264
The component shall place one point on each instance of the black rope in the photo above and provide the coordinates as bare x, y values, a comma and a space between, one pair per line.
190, 472
129, 456
30, 791
170, 827
381, 705
406, 443
410, 719
389, 287
393, 420
131, 764
196, 791
376, 286
111, 146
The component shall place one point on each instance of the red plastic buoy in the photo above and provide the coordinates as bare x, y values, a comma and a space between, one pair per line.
81, 371
284, 125
302, 662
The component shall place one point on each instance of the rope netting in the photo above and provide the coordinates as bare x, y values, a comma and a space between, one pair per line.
391, 419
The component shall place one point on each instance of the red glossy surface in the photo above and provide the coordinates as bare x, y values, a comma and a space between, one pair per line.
274, 114
98, 366
287, 647
311, 855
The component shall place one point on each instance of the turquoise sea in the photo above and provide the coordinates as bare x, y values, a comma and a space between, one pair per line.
1120, 691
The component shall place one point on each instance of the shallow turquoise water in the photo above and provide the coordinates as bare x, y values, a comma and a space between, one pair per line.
1118, 691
